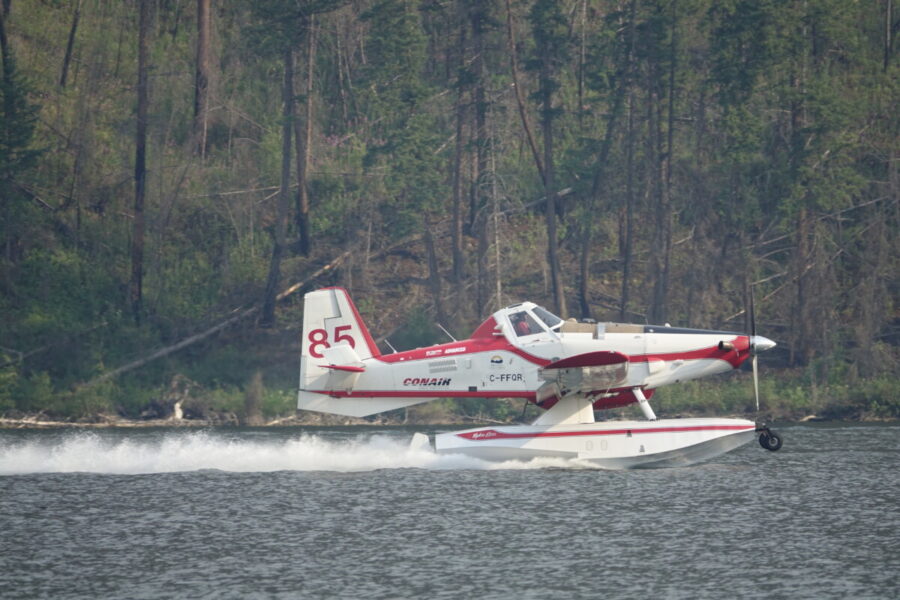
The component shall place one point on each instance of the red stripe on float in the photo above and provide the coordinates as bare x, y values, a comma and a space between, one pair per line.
492, 434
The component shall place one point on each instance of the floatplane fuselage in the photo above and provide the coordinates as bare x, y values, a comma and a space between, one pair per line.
568, 368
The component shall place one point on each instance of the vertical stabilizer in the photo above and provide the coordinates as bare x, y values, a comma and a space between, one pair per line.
330, 320
335, 363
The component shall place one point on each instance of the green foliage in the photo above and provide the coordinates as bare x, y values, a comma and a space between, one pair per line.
225, 399
402, 153
278, 402
419, 331
92, 400
744, 40
129, 398
771, 157
8, 382
35, 393
551, 49
784, 396
396, 50
19, 118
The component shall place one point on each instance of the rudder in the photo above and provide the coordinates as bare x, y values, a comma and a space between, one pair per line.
330, 320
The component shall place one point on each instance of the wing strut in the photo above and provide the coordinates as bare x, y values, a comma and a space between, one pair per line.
644, 404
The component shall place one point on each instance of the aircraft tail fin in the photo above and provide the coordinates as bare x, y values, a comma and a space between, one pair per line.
335, 345
335, 339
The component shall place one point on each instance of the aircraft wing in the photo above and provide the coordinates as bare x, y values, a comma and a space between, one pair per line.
583, 373
589, 359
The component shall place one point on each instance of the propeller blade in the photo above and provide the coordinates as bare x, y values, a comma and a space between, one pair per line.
755, 382
753, 351
752, 323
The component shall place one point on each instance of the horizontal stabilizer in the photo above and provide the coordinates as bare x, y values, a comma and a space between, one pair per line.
340, 356
341, 366
348, 368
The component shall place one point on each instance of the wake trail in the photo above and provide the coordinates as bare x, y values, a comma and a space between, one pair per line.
86, 452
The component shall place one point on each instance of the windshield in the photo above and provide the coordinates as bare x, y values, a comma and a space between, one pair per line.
551, 320
524, 324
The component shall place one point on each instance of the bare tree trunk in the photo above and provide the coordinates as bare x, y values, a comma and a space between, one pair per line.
434, 273
342, 92
665, 210
4, 44
201, 77
597, 186
888, 33
140, 171
559, 299
7, 69
303, 136
253, 393
287, 97
626, 244
520, 102
799, 342
456, 225
482, 284
657, 181
495, 217
70, 44
628, 234
479, 204
582, 59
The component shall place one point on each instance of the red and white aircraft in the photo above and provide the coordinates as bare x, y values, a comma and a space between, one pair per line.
523, 351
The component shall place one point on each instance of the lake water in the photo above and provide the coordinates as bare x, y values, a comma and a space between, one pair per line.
354, 513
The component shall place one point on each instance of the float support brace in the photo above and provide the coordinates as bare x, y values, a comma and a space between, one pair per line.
644, 404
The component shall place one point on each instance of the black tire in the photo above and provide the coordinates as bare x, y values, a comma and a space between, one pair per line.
770, 440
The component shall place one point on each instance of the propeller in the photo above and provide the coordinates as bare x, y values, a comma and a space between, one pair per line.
753, 351
768, 439
757, 344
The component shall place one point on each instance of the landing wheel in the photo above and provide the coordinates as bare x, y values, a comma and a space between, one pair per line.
770, 440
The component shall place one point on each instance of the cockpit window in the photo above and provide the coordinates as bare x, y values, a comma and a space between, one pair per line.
524, 324
547, 317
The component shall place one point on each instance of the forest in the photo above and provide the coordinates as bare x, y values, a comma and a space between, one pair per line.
175, 174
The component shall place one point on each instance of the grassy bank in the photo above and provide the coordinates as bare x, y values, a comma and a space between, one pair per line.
784, 396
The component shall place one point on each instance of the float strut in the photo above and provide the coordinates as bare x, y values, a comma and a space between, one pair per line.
645, 406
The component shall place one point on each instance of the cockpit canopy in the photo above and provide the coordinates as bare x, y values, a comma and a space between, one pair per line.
528, 319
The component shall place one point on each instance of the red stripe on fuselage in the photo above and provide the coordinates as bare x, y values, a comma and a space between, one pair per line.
465, 348
733, 357
474, 346
425, 394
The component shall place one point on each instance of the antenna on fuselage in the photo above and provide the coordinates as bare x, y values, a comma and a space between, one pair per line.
445, 331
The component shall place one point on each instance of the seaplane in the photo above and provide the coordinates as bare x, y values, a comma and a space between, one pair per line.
568, 368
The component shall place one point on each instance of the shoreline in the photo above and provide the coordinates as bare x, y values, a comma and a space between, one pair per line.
317, 420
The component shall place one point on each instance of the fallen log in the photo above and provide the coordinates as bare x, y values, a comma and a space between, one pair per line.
236, 316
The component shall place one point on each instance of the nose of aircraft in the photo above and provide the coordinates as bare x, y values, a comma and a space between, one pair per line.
762, 343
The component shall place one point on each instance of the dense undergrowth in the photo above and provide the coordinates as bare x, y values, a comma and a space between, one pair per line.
785, 395
646, 161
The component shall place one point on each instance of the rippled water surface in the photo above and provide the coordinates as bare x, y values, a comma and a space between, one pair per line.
354, 513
